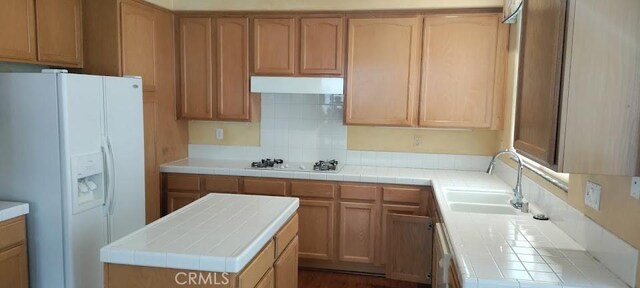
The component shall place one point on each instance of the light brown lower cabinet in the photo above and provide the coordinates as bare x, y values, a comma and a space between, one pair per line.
267, 281
316, 229
408, 236
358, 227
13, 254
286, 267
358, 222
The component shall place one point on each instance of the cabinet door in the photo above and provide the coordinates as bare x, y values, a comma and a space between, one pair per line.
409, 248
267, 280
387, 210
59, 29
463, 70
17, 30
537, 104
139, 43
13, 267
233, 69
358, 222
177, 200
274, 46
286, 267
383, 66
316, 229
321, 46
196, 71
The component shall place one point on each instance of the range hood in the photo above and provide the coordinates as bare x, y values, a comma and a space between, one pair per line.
297, 85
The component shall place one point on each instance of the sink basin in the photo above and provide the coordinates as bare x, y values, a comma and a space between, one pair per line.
467, 196
483, 208
480, 201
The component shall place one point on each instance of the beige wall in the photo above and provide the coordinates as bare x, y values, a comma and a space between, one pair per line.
241, 134
309, 5
469, 142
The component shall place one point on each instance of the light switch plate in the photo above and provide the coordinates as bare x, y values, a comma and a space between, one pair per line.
592, 195
635, 187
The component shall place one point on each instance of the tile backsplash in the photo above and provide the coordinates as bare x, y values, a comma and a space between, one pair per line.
613, 252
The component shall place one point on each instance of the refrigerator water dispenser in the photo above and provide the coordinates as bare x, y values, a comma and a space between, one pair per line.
88, 181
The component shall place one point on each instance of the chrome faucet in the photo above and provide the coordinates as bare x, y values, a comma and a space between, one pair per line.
516, 202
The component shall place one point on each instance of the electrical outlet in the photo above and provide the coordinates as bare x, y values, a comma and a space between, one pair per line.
635, 187
417, 140
219, 133
592, 195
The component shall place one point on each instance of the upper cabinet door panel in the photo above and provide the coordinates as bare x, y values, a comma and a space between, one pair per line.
460, 79
17, 30
539, 79
274, 46
383, 71
233, 69
321, 46
59, 29
139, 43
196, 80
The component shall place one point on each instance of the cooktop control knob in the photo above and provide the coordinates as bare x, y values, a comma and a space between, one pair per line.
302, 167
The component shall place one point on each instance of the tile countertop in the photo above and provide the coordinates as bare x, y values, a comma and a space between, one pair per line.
10, 210
490, 250
217, 233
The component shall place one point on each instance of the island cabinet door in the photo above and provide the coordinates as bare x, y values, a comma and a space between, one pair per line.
409, 248
286, 267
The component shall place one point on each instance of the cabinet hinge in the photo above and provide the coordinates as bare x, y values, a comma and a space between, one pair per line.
429, 276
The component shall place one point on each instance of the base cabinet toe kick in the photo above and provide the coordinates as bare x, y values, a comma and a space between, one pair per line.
274, 266
382, 229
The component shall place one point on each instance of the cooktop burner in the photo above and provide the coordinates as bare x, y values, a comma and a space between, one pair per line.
329, 165
266, 163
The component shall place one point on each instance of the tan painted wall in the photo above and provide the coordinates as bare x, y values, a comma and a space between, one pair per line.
242, 134
310, 5
470, 142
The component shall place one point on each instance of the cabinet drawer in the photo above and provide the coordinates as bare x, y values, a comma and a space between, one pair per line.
183, 182
313, 189
359, 192
401, 194
254, 271
12, 232
225, 184
286, 234
265, 187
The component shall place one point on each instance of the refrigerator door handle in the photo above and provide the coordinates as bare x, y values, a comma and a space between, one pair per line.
107, 176
112, 178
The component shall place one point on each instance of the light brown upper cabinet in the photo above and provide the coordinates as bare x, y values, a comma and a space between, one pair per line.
233, 97
17, 30
463, 60
383, 67
321, 46
59, 30
578, 109
196, 71
274, 46
139, 43
539, 85
214, 68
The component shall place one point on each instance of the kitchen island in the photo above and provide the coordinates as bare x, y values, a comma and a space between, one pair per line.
221, 240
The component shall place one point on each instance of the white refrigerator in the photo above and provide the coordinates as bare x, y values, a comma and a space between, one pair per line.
72, 147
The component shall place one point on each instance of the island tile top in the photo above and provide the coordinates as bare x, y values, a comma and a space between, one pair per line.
10, 210
217, 233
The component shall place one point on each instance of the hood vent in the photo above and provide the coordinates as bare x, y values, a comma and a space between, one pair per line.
297, 85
